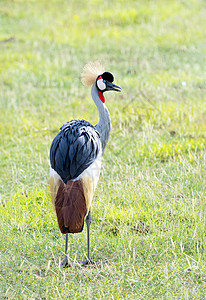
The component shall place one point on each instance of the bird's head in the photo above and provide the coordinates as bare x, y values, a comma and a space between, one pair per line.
104, 82
93, 73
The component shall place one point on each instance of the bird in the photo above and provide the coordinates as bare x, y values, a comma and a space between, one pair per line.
76, 157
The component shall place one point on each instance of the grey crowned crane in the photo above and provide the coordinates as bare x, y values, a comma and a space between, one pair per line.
75, 158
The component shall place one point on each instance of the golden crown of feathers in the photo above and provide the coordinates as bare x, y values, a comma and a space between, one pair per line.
90, 73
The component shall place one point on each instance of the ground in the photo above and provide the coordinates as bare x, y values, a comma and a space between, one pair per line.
148, 214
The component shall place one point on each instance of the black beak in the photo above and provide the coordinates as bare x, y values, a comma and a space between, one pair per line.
113, 87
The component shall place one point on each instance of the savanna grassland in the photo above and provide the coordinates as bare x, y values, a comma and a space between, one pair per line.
149, 210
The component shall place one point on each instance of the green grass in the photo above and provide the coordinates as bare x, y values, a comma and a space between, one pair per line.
149, 210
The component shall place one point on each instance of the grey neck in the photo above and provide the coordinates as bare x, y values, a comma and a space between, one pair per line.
104, 124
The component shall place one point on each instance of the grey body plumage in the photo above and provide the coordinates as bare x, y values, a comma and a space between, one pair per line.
74, 149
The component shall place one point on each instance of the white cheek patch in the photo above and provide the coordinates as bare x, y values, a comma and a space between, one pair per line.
101, 85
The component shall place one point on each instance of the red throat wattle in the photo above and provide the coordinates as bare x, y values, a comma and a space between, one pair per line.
101, 96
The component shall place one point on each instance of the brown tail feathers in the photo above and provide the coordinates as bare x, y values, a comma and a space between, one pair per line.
70, 207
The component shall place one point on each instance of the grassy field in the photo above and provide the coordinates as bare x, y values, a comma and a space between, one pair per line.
149, 211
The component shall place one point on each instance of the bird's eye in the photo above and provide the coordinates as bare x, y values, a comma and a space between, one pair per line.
104, 81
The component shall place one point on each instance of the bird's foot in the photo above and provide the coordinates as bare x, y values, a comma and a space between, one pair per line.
88, 262
65, 263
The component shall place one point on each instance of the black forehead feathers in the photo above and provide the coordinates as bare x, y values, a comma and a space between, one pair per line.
107, 76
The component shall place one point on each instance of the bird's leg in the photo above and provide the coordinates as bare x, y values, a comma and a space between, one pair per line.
88, 222
65, 262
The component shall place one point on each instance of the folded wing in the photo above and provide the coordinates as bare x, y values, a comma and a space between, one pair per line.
74, 149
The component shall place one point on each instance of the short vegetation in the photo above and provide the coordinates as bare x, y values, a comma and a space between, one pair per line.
148, 233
